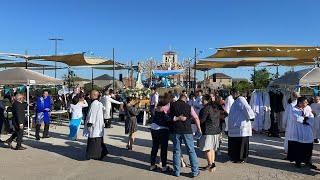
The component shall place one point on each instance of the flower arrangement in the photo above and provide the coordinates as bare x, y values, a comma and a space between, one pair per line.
138, 93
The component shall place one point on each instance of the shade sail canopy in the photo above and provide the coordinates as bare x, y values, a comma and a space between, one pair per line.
46, 68
256, 50
161, 73
111, 68
2, 59
24, 76
23, 64
74, 59
205, 64
306, 77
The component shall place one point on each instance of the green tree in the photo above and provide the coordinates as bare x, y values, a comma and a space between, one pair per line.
242, 86
69, 79
260, 78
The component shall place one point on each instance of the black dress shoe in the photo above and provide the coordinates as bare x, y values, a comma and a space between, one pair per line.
38, 138
20, 148
46, 136
9, 144
311, 166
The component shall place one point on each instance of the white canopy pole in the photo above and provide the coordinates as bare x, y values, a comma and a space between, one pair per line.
28, 109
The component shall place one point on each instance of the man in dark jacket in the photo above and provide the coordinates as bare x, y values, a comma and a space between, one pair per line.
182, 115
18, 113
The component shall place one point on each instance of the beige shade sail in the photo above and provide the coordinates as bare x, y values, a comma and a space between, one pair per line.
19, 76
111, 68
253, 62
73, 59
23, 64
2, 59
46, 68
256, 50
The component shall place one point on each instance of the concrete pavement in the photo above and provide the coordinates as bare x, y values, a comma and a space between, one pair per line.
59, 158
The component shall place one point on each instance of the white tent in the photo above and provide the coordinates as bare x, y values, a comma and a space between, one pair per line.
302, 78
19, 76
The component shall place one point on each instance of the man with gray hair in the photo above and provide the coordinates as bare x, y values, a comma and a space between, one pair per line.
18, 113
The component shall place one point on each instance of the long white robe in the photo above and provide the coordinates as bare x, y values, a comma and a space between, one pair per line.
107, 101
316, 128
300, 132
239, 124
267, 111
95, 117
285, 99
227, 106
256, 104
287, 123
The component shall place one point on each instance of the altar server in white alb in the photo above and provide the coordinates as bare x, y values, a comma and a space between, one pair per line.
287, 121
96, 149
316, 112
300, 136
239, 128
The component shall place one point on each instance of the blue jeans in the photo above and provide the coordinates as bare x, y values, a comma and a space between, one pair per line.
188, 141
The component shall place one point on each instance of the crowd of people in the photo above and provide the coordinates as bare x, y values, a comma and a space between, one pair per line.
179, 117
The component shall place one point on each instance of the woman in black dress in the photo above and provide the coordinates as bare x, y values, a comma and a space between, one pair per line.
131, 121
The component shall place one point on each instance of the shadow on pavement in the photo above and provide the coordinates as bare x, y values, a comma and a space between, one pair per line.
73, 150
265, 154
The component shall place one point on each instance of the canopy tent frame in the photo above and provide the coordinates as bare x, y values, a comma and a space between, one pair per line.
26, 80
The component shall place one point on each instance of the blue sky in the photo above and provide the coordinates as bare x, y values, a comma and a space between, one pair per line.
140, 29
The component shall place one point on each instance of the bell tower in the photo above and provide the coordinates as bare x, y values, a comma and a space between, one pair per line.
169, 59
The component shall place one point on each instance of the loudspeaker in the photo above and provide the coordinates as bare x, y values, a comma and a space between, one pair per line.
120, 77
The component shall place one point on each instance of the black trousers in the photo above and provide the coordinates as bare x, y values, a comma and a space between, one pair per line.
274, 130
17, 134
299, 152
238, 148
45, 131
1, 123
159, 137
107, 123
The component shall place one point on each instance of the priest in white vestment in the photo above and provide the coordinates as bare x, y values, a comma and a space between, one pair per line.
96, 149
239, 128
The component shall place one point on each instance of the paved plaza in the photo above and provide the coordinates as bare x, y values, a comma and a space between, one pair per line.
58, 158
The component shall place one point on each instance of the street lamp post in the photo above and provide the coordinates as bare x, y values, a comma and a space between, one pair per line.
189, 74
55, 53
113, 69
195, 70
